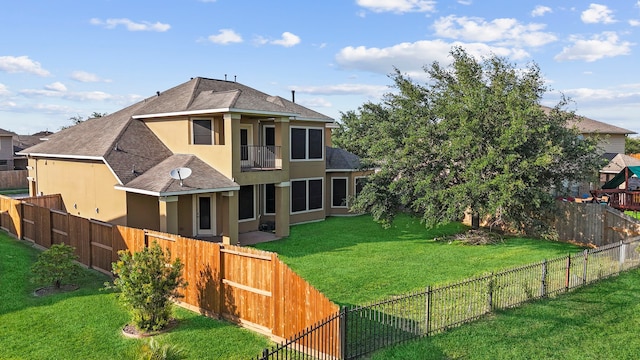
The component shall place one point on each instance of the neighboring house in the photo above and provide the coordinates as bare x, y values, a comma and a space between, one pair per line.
618, 163
21, 142
613, 137
6, 150
254, 159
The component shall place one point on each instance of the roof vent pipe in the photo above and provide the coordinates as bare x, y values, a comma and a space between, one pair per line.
234, 78
293, 96
225, 77
158, 93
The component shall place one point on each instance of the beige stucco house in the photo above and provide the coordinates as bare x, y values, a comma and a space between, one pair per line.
255, 160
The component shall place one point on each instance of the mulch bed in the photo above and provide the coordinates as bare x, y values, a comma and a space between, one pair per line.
474, 237
132, 332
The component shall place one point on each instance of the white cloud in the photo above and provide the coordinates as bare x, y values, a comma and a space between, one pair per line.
634, 22
131, 25
597, 13
56, 86
288, 40
465, 2
606, 44
344, 89
540, 10
398, 6
504, 31
225, 36
17, 64
411, 57
86, 77
4, 91
59, 90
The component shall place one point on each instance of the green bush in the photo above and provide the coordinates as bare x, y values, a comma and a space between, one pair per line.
55, 265
148, 281
153, 350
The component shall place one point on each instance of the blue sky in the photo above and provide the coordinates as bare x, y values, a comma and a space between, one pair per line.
67, 58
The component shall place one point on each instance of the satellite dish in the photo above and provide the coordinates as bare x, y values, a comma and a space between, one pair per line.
180, 173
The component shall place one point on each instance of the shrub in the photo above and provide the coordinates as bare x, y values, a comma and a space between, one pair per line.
56, 265
153, 350
148, 281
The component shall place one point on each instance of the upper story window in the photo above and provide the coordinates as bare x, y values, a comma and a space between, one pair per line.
306, 143
202, 132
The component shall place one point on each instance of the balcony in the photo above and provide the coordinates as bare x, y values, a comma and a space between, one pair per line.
260, 158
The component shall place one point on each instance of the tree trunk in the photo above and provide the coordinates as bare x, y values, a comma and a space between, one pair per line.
475, 221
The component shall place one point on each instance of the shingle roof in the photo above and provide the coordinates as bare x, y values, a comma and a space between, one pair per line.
619, 162
339, 159
157, 180
590, 126
4, 132
200, 94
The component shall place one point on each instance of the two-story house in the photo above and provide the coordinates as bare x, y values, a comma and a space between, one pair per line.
252, 159
6, 150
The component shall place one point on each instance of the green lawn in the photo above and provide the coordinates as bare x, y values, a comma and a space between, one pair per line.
87, 323
353, 260
596, 322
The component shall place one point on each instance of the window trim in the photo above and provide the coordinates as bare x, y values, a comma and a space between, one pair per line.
306, 180
306, 149
346, 192
254, 206
192, 127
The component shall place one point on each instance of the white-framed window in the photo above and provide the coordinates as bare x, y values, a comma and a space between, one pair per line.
339, 192
306, 143
202, 131
307, 195
358, 183
246, 203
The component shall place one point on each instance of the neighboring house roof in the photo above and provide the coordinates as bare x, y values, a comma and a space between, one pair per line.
202, 95
619, 162
341, 160
590, 126
4, 132
157, 181
21, 142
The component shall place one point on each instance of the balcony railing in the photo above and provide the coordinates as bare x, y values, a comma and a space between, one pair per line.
256, 158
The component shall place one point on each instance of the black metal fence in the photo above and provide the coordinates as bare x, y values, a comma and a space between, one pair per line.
361, 330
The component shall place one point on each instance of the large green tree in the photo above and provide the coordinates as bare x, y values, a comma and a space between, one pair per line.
472, 138
632, 145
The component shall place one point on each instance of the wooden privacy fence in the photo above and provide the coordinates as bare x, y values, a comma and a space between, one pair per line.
594, 224
248, 286
14, 179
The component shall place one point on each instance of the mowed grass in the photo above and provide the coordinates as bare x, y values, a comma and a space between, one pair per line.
600, 321
353, 260
87, 323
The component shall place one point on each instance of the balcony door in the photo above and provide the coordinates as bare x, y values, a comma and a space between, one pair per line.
246, 140
204, 221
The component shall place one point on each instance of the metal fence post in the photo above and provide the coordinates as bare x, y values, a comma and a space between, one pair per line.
428, 312
584, 266
490, 286
343, 332
567, 279
543, 279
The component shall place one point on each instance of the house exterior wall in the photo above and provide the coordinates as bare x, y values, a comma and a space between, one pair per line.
612, 143
87, 188
6, 153
176, 134
142, 211
351, 177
